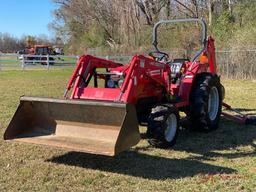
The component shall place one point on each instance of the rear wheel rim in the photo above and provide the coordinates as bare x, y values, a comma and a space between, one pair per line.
171, 128
213, 103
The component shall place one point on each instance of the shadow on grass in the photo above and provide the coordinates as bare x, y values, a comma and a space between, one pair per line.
141, 165
230, 135
220, 143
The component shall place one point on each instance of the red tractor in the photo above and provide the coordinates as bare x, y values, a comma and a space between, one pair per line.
109, 100
36, 52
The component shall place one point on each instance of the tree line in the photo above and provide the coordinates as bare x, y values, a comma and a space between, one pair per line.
124, 26
11, 44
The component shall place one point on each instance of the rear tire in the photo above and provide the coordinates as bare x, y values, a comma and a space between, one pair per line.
163, 125
205, 103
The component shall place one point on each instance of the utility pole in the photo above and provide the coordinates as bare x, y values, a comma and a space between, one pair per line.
210, 11
230, 6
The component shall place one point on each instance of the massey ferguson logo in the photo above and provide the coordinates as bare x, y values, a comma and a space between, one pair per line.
155, 72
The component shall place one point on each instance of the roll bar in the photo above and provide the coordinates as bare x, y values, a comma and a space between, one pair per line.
203, 33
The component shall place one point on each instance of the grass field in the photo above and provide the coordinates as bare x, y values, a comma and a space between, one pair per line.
223, 160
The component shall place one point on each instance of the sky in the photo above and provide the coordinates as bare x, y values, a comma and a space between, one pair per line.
26, 17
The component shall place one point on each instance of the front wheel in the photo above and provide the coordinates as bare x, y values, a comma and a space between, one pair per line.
163, 125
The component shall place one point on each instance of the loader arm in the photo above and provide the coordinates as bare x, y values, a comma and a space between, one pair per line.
137, 78
83, 67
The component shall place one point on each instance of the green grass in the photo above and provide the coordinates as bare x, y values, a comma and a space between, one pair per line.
9, 60
223, 160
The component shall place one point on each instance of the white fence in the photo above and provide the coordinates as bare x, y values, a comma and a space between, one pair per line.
231, 64
16, 61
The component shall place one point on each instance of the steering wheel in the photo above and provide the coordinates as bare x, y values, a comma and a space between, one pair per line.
159, 56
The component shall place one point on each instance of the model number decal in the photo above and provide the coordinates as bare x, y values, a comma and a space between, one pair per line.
156, 64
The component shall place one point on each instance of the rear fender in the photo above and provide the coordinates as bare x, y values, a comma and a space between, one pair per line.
189, 80
192, 83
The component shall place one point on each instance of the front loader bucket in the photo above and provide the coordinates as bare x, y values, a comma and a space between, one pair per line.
96, 127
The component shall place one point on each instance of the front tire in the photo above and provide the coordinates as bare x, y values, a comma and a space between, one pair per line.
205, 103
163, 125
